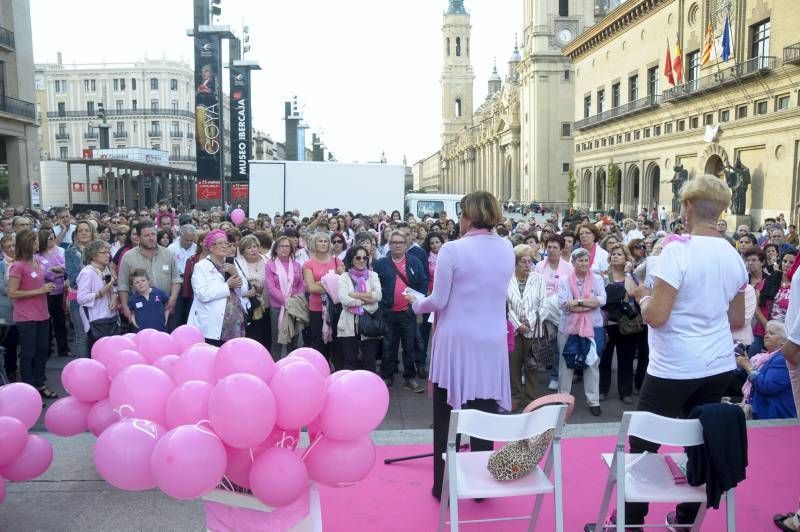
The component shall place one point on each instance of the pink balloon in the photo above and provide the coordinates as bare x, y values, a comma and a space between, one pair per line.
87, 379
315, 357
196, 364
21, 401
333, 377
13, 437
287, 439
237, 216
188, 462
142, 336
299, 391
239, 463
158, 344
278, 477
130, 336
361, 392
187, 336
242, 410
121, 360
188, 404
34, 460
101, 416
68, 416
243, 355
141, 392
122, 454
340, 463
167, 364
105, 347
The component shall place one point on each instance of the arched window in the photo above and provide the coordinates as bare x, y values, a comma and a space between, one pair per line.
467, 46
563, 8
448, 46
458, 46
458, 107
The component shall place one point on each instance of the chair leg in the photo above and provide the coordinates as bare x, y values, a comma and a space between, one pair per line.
698, 521
445, 497
620, 474
537, 506
730, 510
612, 480
558, 493
451, 473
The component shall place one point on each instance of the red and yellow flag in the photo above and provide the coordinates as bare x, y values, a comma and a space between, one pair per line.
677, 63
668, 67
708, 46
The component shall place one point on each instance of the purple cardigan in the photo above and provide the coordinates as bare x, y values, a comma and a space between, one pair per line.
469, 350
276, 299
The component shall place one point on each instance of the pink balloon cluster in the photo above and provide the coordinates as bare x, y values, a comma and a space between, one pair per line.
23, 456
172, 412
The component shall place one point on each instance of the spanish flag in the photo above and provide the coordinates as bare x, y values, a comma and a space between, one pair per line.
668, 66
708, 46
677, 63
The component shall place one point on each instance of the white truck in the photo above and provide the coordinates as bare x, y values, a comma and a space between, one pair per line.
280, 186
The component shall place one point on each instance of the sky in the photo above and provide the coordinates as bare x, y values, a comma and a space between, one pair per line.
366, 71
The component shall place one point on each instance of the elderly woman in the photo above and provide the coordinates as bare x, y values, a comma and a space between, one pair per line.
253, 266
359, 292
580, 330
97, 294
525, 300
284, 280
220, 306
697, 298
73, 257
589, 237
773, 299
8, 337
768, 390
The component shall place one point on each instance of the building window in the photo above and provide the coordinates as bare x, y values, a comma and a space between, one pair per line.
173, 84
667, 128
567, 75
134, 104
611, 140
61, 86
692, 66
135, 127
133, 84
62, 152
587, 106
633, 88
62, 129
458, 107
603, 142
89, 85
120, 127
174, 104
120, 104
90, 108
636, 135
566, 129
708, 119
176, 129
119, 84
724, 115
782, 102
565, 167
628, 136
656, 131
154, 84
759, 36
647, 132
619, 139
615, 95
155, 128
176, 151
601, 100
563, 8
62, 109
694, 122
154, 105
681, 125
458, 46
760, 107
156, 147
652, 82
447, 46
578, 148
596, 143
741, 111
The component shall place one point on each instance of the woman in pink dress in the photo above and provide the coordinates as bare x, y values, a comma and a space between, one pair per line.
469, 353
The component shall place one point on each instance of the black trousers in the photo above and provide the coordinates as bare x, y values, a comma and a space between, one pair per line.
34, 343
673, 398
349, 346
10, 343
642, 358
259, 330
626, 349
58, 324
441, 426
401, 327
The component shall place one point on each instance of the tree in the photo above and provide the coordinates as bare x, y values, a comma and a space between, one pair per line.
613, 175
571, 188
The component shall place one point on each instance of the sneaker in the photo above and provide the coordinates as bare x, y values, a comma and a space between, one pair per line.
595, 411
553, 386
413, 386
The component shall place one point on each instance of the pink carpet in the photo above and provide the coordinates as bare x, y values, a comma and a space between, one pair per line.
397, 497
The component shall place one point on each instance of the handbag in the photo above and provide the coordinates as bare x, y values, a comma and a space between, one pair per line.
372, 324
104, 327
519, 458
630, 322
541, 354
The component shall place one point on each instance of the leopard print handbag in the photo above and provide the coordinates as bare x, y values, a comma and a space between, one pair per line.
519, 458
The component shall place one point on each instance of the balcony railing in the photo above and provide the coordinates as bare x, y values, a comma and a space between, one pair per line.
122, 112
7, 38
791, 53
189, 135
120, 134
90, 134
154, 133
18, 107
722, 78
626, 109
176, 134
62, 136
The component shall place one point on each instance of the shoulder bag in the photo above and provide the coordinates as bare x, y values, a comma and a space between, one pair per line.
541, 354
630, 322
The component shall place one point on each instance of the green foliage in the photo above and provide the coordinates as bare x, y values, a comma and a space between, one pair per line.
613, 175
571, 188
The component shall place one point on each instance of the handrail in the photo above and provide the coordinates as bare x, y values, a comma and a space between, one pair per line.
625, 109
18, 107
791, 53
123, 112
722, 77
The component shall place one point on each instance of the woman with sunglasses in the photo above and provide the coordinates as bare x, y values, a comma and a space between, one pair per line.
359, 293
320, 263
339, 243
637, 252
51, 258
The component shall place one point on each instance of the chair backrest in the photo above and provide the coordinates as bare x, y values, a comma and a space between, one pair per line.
497, 427
552, 399
660, 429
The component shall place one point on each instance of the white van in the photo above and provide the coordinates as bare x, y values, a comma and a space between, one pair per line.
421, 204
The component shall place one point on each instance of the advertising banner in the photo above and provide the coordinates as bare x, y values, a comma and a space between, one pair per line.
241, 128
208, 113
240, 191
208, 190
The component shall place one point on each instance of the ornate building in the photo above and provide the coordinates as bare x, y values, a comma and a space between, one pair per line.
632, 129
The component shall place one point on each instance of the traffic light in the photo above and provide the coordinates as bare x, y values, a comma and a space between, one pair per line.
216, 10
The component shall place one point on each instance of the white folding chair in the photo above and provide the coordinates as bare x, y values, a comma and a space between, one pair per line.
664, 431
466, 475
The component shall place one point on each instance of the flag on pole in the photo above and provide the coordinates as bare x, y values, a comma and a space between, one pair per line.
677, 63
668, 66
727, 41
708, 46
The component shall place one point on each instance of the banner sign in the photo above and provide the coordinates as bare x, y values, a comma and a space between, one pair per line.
97, 187
209, 190
36, 195
139, 155
78, 187
240, 191
241, 125
208, 113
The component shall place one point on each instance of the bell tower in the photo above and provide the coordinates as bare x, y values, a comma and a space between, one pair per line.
457, 75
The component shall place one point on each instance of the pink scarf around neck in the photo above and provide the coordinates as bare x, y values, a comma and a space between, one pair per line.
286, 281
580, 323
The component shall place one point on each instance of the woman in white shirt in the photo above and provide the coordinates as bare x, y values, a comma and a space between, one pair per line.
697, 298
589, 236
359, 291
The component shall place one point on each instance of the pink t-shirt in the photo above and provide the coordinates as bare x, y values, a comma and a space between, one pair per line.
318, 269
400, 302
30, 278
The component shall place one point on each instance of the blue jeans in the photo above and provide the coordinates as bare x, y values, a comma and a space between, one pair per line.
81, 340
400, 327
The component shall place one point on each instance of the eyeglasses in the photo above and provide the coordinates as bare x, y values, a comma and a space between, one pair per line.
221, 243
638, 246
338, 241
286, 246
398, 242
360, 257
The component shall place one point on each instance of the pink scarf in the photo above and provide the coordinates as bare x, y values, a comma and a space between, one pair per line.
286, 281
591, 255
359, 279
580, 323
757, 361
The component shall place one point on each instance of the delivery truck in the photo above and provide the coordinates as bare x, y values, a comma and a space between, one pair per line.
280, 186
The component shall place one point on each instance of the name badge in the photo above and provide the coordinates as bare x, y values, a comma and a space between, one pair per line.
34, 275
139, 305
165, 267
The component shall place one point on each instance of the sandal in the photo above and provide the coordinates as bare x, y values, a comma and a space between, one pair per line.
46, 393
778, 519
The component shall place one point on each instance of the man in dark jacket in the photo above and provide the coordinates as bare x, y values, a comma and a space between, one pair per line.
398, 271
